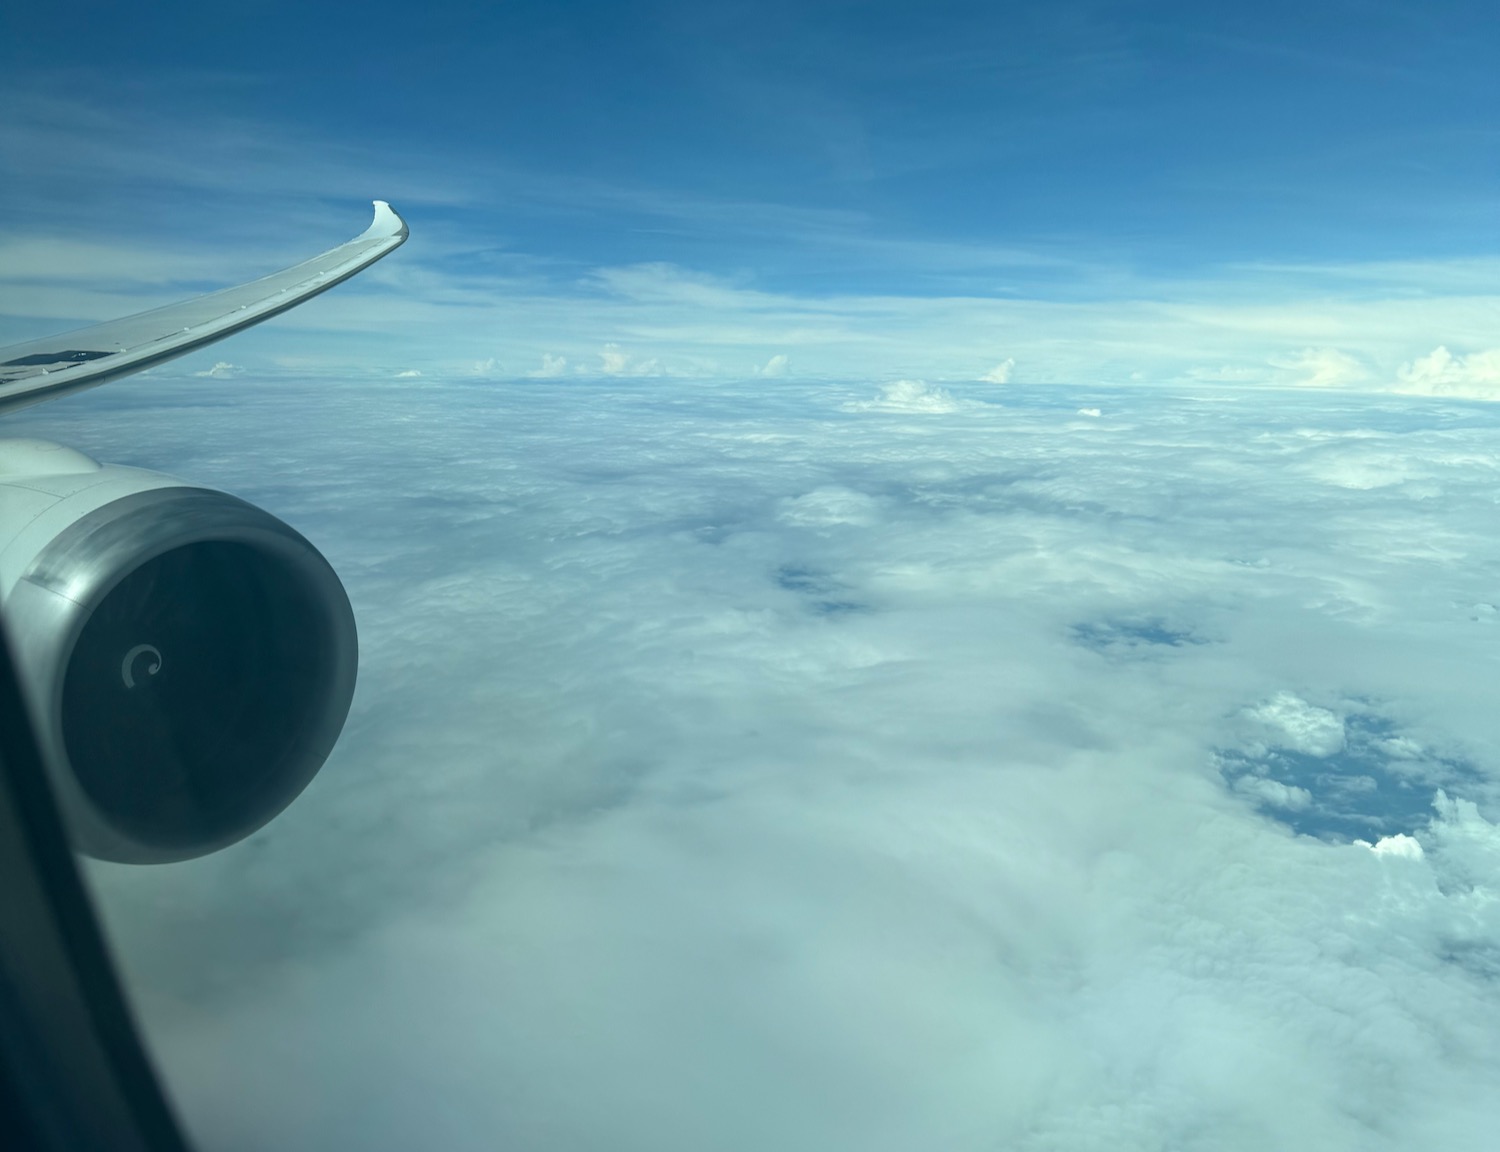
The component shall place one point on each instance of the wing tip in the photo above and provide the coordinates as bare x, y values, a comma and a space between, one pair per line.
387, 223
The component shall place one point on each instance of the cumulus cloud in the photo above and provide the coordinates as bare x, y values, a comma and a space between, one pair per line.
1400, 846
1094, 412
1000, 373
408, 374
775, 366
615, 361
552, 367
798, 776
1275, 793
908, 396
1296, 724
1321, 368
223, 370
1440, 373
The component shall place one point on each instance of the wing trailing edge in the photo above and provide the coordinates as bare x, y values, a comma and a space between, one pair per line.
61, 365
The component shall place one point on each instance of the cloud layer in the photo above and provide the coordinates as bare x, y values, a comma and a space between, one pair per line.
810, 766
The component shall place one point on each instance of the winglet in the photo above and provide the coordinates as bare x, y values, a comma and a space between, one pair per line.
387, 224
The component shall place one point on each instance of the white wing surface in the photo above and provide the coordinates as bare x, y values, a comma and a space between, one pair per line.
60, 365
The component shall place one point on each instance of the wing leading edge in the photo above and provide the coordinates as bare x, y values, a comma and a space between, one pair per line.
60, 365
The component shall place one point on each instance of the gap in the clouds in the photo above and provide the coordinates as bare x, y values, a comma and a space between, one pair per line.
1380, 783
821, 593
1116, 637
1479, 957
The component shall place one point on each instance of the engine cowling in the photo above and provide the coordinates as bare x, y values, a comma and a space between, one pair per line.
189, 657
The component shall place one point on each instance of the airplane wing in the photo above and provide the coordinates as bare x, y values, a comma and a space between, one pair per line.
60, 365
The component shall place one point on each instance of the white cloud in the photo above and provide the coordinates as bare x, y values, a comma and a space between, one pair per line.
1275, 793
552, 366
615, 361
1440, 373
828, 506
908, 396
754, 761
1365, 466
1299, 725
408, 374
1322, 368
759, 748
1400, 847
1402, 748
223, 370
775, 366
1095, 412
1000, 373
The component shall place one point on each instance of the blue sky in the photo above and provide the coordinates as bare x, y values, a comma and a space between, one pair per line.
1072, 153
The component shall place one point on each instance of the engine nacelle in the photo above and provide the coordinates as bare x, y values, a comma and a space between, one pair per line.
190, 658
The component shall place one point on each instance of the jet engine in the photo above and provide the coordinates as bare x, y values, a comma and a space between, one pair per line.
190, 659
